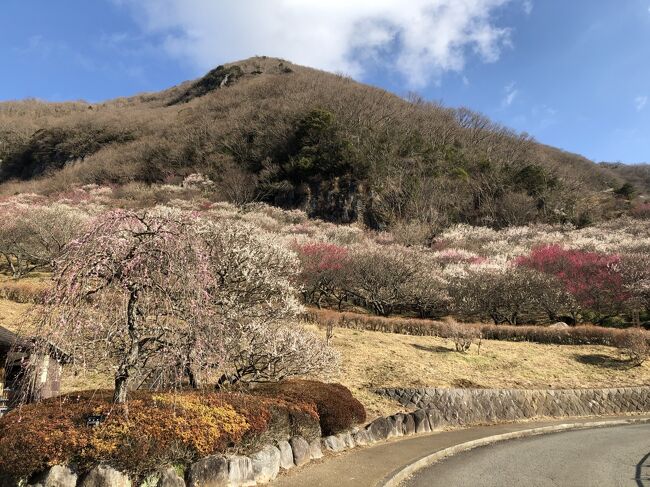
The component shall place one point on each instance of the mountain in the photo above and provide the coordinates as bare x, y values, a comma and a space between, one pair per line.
266, 129
636, 175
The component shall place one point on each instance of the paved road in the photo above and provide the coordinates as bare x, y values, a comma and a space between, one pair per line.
367, 467
608, 457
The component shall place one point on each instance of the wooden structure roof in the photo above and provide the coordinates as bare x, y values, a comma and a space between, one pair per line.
8, 339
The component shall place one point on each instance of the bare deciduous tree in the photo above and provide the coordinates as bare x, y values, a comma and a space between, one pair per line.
380, 277
33, 236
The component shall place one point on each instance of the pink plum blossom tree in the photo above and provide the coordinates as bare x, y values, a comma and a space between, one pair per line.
132, 290
168, 291
323, 272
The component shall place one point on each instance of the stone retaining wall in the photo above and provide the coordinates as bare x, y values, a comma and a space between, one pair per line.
480, 406
435, 409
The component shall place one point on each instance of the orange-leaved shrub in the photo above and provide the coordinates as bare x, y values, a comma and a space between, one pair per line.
151, 430
271, 418
337, 408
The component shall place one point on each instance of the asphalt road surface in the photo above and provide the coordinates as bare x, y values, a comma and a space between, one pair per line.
606, 457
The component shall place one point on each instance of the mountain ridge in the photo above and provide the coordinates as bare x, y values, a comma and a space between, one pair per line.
267, 129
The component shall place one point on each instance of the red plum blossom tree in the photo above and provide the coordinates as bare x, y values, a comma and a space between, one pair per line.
593, 278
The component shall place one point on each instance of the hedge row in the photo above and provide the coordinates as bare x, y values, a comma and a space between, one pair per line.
578, 335
156, 429
23, 291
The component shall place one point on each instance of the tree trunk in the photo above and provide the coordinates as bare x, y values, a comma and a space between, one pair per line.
193, 378
133, 353
227, 379
121, 389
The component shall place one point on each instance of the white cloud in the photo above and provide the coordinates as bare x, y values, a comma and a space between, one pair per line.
545, 116
511, 92
420, 38
640, 102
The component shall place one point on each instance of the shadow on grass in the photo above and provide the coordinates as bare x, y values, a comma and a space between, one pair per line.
605, 361
436, 349
467, 384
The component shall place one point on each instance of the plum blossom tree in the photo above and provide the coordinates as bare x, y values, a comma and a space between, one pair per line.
635, 272
426, 292
323, 272
168, 291
494, 292
132, 290
33, 236
593, 278
254, 295
509, 294
262, 353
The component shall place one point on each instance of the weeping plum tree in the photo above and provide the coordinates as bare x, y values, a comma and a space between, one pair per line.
133, 289
172, 292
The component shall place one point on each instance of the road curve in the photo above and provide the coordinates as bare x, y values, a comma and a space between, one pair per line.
607, 457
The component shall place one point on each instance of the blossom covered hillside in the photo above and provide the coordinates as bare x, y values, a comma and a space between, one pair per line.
525, 274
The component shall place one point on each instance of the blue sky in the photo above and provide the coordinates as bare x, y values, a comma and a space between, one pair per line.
573, 73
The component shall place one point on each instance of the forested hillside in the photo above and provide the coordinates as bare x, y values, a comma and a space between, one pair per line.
637, 176
264, 129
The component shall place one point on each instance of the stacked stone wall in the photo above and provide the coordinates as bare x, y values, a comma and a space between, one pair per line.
480, 406
433, 409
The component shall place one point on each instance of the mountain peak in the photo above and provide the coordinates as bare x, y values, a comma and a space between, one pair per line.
228, 74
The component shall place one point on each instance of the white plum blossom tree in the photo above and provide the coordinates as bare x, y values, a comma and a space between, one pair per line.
163, 289
33, 236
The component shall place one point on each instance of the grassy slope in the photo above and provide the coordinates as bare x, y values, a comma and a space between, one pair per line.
12, 315
374, 359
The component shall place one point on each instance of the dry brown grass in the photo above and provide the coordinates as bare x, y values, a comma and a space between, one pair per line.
17, 300
375, 359
13, 315
26, 290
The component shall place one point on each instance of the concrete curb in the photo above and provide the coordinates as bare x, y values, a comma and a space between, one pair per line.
399, 476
